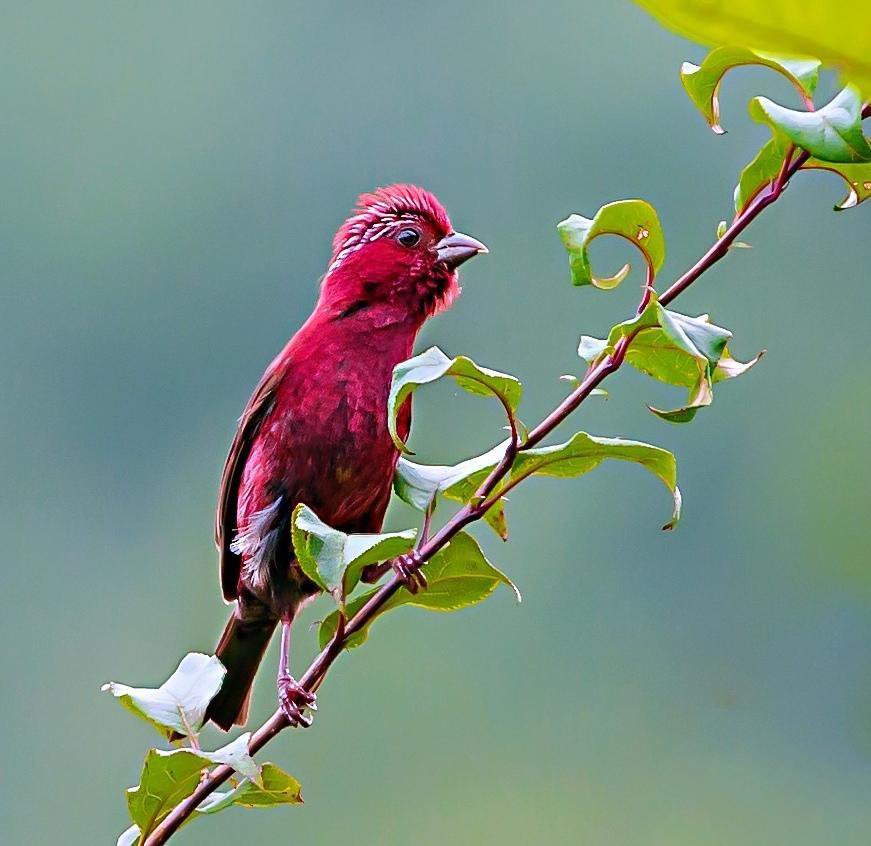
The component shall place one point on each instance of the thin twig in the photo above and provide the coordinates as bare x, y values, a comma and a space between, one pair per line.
476, 509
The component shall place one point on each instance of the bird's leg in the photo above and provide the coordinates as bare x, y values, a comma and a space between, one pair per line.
293, 699
407, 568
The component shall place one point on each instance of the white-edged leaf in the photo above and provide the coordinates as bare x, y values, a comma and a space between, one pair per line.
236, 755
420, 484
129, 837
179, 705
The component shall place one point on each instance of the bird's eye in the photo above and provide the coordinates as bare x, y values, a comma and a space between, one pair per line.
408, 237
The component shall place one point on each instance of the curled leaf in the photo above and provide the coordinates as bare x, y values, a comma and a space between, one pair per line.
688, 352
634, 220
857, 177
700, 396
702, 82
832, 133
729, 368
432, 365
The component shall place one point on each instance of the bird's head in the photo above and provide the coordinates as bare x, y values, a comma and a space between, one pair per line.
397, 248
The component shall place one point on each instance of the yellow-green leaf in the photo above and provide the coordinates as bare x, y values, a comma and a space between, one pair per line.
838, 35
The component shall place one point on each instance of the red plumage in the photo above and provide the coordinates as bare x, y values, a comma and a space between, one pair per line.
315, 429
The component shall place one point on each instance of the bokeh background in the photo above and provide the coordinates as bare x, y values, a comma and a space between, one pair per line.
171, 176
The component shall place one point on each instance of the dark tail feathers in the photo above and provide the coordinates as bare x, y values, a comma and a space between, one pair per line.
241, 650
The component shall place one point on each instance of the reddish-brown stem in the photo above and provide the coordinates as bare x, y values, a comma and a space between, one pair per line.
475, 510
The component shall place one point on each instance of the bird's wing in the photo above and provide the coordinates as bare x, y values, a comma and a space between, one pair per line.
225, 520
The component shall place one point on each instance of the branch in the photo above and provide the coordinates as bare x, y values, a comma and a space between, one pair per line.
476, 509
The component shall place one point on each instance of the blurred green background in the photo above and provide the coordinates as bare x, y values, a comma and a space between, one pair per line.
172, 174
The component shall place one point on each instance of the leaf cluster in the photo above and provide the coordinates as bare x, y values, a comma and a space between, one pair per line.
177, 709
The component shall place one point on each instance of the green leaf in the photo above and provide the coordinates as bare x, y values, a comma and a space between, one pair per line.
459, 575
432, 365
590, 349
334, 560
574, 458
669, 354
688, 352
167, 778
583, 453
648, 317
832, 133
277, 788
634, 220
702, 82
700, 396
421, 484
761, 172
696, 336
838, 35
170, 777
179, 705
857, 177
728, 367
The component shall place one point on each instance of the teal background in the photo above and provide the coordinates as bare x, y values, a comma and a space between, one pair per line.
172, 174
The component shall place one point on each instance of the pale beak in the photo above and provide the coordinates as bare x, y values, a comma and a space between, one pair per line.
456, 248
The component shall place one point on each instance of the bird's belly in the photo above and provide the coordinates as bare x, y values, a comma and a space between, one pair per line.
340, 465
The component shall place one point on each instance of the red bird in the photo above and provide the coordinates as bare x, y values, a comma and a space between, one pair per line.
315, 429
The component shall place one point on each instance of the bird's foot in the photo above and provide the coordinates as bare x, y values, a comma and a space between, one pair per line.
407, 569
294, 700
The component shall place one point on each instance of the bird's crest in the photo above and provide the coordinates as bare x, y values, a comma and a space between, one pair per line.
377, 213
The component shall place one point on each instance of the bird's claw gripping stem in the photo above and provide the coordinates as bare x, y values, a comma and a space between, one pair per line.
294, 700
407, 569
